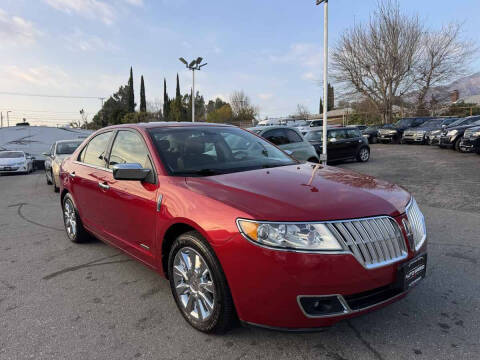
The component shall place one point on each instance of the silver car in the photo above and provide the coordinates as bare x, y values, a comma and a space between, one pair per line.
58, 151
290, 140
15, 162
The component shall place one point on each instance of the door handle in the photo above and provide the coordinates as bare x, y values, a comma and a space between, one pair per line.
104, 186
72, 174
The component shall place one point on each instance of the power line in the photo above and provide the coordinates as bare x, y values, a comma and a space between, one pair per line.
51, 96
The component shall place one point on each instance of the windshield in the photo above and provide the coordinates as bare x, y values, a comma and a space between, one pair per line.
299, 123
64, 148
404, 123
205, 151
314, 135
432, 123
11, 154
316, 123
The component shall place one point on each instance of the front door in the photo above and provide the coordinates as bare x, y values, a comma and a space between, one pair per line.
87, 182
131, 206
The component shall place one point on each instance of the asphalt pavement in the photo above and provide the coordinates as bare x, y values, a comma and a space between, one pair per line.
59, 300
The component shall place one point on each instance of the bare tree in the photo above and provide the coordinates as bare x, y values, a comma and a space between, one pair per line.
443, 56
242, 108
394, 57
302, 112
377, 60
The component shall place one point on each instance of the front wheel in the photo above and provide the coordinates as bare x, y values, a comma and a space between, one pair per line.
55, 187
373, 140
363, 154
73, 224
199, 286
456, 145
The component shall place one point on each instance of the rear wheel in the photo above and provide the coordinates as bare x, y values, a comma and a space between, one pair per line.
73, 224
199, 286
363, 154
49, 182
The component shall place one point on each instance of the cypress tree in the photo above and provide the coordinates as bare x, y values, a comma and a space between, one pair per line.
177, 94
131, 95
166, 103
143, 102
320, 109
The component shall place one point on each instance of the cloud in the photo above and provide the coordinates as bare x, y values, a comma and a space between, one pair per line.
92, 9
134, 2
42, 76
305, 54
265, 96
16, 30
79, 41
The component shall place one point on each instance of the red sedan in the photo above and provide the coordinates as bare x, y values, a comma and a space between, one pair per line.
242, 230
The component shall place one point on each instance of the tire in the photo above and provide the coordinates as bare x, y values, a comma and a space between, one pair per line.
373, 140
363, 154
55, 187
220, 316
313, 160
77, 232
456, 145
49, 182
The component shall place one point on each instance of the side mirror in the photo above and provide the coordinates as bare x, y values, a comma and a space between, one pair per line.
131, 171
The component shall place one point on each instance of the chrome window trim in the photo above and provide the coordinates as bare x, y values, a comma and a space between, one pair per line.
344, 303
92, 166
345, 250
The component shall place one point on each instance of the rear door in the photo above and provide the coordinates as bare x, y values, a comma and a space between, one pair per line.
90, 173
131, 206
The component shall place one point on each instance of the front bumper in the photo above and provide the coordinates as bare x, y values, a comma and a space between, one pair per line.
384, 137
470, 145
267, 284
12, 169
413, 138
446, 141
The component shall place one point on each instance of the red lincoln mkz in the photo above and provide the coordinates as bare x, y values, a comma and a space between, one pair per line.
242, 230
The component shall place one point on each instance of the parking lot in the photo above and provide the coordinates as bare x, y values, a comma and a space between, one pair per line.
66, 301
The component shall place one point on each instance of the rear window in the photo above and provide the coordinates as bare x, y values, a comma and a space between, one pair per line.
66, 148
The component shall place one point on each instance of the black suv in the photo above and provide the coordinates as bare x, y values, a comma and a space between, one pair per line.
419, 134
471, 140
342, 144
393, 133
452, 136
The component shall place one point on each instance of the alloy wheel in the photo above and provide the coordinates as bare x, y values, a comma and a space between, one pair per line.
364, 154
70, 219
194, 284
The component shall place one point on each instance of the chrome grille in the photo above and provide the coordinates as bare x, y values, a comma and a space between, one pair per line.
417, 223
374, 241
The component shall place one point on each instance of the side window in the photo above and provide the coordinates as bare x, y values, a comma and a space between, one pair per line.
276, 136
337, 134
94, 153
293, 137
353, 133
129, 147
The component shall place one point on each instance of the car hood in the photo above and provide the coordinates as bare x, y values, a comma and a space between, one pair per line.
9, 161
297, 193
424, 128
460, 128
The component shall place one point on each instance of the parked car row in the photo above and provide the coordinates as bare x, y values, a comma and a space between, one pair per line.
215, 209
461, 134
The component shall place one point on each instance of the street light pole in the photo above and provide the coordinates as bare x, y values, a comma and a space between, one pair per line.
323, 156
193, 65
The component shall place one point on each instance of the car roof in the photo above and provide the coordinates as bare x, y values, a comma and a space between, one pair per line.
261, 128
158, 124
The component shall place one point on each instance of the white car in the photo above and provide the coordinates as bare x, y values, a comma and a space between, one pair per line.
15, 162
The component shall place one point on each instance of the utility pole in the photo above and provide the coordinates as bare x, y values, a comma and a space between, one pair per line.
1, 117
8, 118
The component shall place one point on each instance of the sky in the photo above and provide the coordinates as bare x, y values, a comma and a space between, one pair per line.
270, 49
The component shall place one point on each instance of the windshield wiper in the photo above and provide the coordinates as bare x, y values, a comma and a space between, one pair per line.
201, 172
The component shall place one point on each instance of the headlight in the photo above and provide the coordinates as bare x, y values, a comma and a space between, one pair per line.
476, 133
452, 133
301, 236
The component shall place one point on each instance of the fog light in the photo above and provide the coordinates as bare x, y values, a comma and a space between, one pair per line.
318, 306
